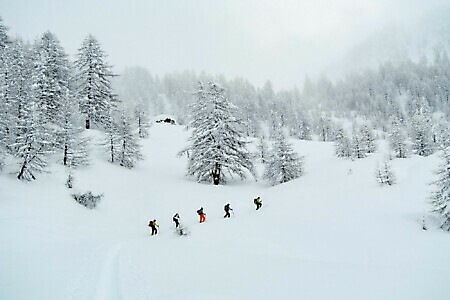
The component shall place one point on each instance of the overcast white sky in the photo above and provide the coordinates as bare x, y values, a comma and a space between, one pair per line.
256, 39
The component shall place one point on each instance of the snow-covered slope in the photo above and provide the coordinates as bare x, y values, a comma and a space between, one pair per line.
332, 234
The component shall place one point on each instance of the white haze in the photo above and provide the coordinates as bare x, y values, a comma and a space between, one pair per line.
281, 41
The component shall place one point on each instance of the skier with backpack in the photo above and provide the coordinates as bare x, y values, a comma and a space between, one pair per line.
176, 220
153, 225
258, 202
202, 215
227, 208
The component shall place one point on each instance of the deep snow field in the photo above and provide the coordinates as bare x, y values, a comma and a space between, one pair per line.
332, 234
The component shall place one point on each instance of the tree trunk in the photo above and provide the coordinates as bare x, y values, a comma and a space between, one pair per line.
112, 150
216, 174
65, 155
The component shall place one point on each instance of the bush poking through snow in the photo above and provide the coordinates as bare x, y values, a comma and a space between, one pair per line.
87, 199
69, 181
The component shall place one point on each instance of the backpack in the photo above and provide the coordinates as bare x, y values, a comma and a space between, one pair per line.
199, 211
151, 224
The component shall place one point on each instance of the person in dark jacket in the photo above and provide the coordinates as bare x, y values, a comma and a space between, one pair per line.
202, 215
154, 226
176, 220
258, 202
227, 208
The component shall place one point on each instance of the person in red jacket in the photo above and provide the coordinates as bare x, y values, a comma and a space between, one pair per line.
202, 215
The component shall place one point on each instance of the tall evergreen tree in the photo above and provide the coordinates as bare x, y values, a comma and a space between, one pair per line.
397, 139
385, 175
94, 90
283, 164
18, 94
421, 135
441, 196
217, 148
4, 71
129, 150
262, 149
33, 143
367, 138
343, 146
358, 145
75, 150
50, 77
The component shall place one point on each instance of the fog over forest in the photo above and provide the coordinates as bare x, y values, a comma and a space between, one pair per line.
280, 41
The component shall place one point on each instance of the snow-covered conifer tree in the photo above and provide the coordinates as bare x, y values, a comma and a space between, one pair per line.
74, 146
18, 94
111, 142
367, 138
136, 87
4, 78
143, 122
50, 77
217, 148
94, 83
397, 139
129, 149
283, 163
358, 146
421, 135
385, 175
33, 142
262, 149
441, 133
342, 143
441, 196
325, 129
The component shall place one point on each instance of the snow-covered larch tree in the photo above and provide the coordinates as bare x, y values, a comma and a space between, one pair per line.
385, 175
51, 78
129, 149
217, 147
33, 144
283, 163
342, 143
30, 140
262, 149
397, 139
358, 146
367, 138
94, 90
4, 53
74, 145
441, 196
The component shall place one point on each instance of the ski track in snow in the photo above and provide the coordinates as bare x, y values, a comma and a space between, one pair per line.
108, 285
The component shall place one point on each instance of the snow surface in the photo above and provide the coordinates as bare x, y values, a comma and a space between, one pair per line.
334, 233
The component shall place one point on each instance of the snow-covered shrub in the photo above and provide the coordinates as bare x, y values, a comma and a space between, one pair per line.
88, 199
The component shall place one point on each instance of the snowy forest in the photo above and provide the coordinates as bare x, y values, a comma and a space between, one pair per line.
49, 100
235, 149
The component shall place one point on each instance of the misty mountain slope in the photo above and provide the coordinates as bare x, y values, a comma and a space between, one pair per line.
332, 234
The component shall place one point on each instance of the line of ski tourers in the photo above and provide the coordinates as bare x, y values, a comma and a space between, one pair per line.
182, 230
